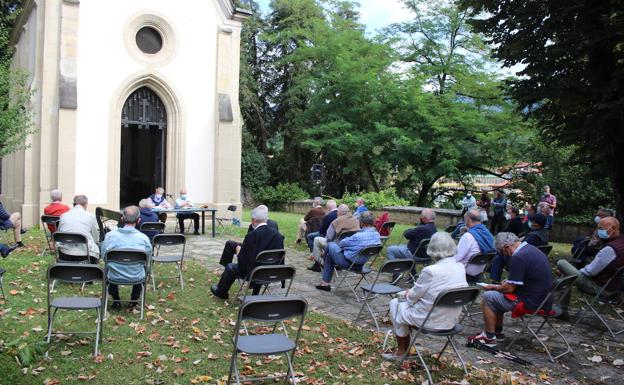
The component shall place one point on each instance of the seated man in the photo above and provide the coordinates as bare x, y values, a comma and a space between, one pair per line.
56, 207
592, 277
315, 212
425, 230
445, 273
183, 202
590, 245
514, 224
360, 207
476, 240
78, 220
127, 237
12, 221
345, 222
147, 215
260, 239
530, 281
347, 251
159, 200
5, 250
330, 216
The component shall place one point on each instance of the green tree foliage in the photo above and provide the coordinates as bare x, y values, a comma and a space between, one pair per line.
276, 197
375, 200
572, 82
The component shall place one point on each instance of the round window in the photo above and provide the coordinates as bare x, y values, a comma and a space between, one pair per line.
149, 40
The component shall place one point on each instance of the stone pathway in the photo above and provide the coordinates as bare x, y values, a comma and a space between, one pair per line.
587, 341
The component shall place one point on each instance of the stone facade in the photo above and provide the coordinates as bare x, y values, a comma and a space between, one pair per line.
84, 62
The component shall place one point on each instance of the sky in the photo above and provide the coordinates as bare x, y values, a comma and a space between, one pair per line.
375, 14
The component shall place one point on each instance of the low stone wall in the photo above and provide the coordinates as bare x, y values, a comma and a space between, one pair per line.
561, 232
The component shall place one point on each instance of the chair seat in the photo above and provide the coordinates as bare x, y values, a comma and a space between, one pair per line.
76, 302
259, 297
421, 260
381, 288
265, 344
167, 258
442, 333
359, 270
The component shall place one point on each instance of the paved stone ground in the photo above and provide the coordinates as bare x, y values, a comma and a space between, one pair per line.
589, 340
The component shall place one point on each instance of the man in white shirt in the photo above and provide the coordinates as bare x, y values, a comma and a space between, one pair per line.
78, 220
183, 202
477, 240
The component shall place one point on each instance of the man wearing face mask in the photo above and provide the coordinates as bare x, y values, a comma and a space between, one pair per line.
590, 245
183, 202
468, 202
593, 276
551, 202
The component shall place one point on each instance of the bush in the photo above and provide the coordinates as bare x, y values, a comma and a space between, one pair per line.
277, 197
375, 200
254, 171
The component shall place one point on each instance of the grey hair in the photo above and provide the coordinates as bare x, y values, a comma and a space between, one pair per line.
318, 201
260, 213
131, 214
505, 239
473, 214
428, 214
144, 203
160, 190
56, 195
331, 204
343, 209
441, 246
367, 219
81, 200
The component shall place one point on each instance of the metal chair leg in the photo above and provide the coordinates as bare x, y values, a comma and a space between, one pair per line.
97, 333
458, 355
424, 364
291, 370
143, 288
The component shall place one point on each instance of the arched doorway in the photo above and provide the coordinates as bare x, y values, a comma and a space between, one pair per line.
143, 146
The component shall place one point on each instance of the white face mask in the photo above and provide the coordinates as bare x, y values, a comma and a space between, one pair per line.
507, 216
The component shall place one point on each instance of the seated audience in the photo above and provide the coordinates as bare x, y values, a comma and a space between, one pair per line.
360, 207
347, 251
483, 204
457, 231
514, 224
159, 200
476, 240
78, 220
529, 282
127, 237
5, 250
412, 306
380, 221
147, 215
590, 245
56, 207
183, 202
12, 221
500, 207
330, 216
425, 230
260, 239
315, 212
345, 222
529, 212
594, 276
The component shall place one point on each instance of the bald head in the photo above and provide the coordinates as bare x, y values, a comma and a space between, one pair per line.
472, 217
343, 209
611, 225
331, 204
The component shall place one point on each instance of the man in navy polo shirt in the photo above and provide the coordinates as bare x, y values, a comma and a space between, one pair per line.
530, 280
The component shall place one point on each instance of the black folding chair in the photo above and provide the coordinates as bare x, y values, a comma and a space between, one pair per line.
450, 228
546, 249
264, 258
358, 271
152, 228
128, 257
164, 246
371, 291
221, 221
602, 299
76, 273
422, 245
559, 289
345, 235
71, 248
451, 298
107, 220
479, 260
46, 221
266, 275
272, 310
388, 226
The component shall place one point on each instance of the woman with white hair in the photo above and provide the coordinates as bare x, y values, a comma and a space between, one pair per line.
412, 306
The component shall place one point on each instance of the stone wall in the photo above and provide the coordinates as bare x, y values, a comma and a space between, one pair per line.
409, 215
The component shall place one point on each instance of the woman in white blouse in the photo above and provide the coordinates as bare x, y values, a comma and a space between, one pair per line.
412, 306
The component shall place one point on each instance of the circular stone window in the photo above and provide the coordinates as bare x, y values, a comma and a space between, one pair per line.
149, 40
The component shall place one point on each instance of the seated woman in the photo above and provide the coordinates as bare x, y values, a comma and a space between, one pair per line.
412, 306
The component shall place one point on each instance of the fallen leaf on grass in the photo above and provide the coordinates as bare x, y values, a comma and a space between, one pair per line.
82, 377
178, 371
51, 381
596, 359
98, 359
212, 356
143, 354
119, 320
15, 292
200, 379
618, 362
65, 353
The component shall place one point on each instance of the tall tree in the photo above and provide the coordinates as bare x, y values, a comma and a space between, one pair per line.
572, 81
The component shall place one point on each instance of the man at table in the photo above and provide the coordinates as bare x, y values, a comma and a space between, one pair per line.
183, 202
159, 200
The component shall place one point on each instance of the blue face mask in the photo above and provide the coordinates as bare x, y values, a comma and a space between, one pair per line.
183, 197
530, 224
603, 234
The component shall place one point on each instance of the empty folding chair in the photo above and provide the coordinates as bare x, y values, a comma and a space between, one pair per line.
273, 310
169, 248
264, 258
546, 249
128, 257
602, 299
371, 291
221, 221
448, 299
49, 224
76, 273
151, 229
263, 276
559, 289
358, 272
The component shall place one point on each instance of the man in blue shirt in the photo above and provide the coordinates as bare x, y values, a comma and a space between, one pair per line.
127, 237
529, 282
347, 251
360, 207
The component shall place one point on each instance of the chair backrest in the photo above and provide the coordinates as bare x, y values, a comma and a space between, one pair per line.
75, 273
482, 259
68, 238
272, 274
75, 241
127, 257
232, 208
450, 229
370, 251
546, 249
560, 286
397, 266
152, 226
273, 310
50, 220
423, 244
346, 234
169, 239
456, 297
102, 216
388, 226
270, 257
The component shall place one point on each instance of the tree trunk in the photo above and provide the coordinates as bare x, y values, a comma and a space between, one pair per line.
369, 170
617, 172
423, 194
